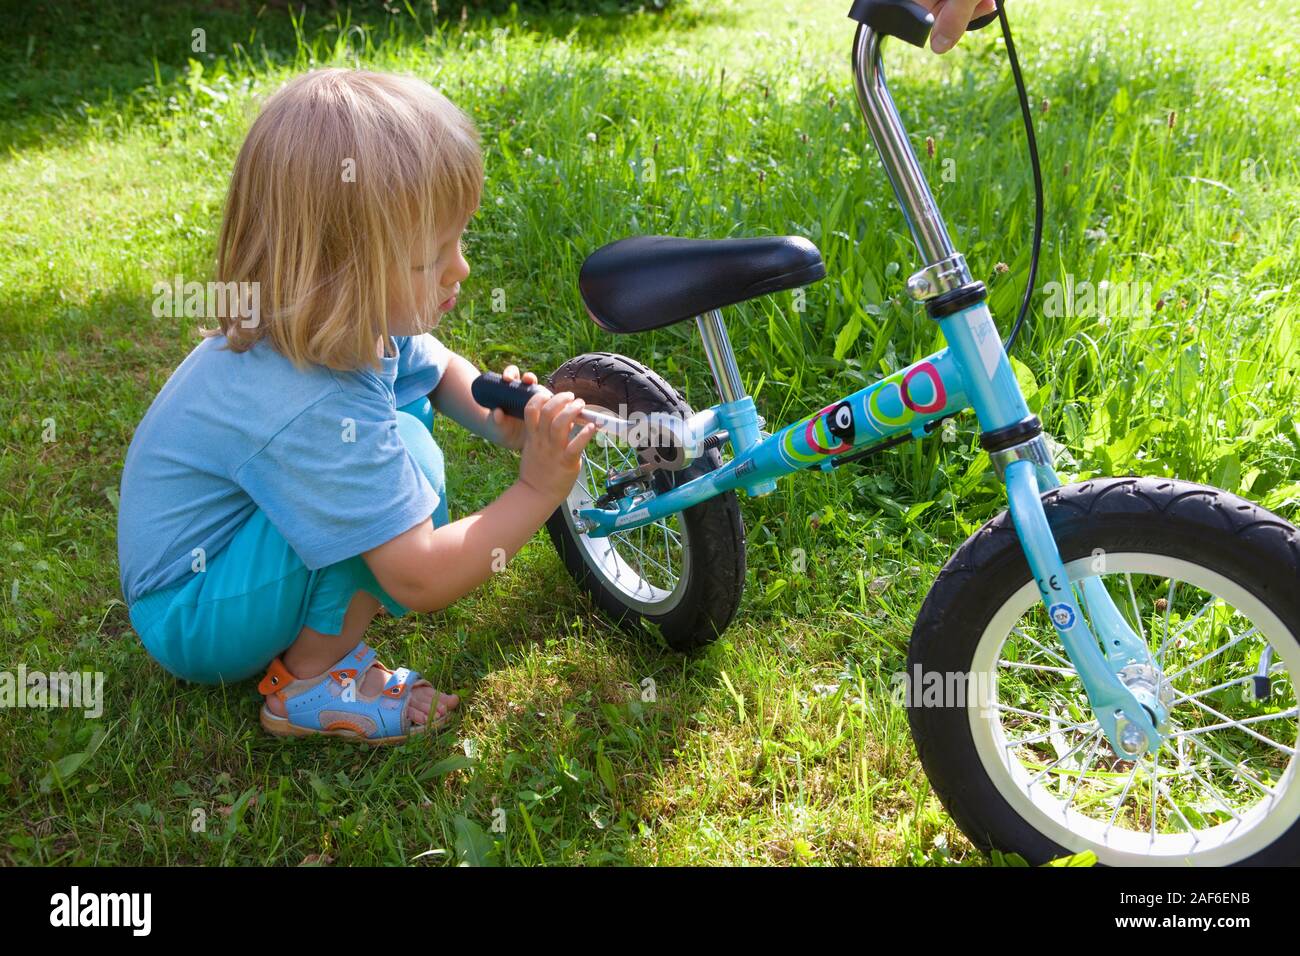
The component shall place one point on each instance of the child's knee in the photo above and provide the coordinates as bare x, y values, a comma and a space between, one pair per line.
421, 409
423, 449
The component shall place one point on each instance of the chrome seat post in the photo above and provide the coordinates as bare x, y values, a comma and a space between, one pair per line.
736, 415
717, 346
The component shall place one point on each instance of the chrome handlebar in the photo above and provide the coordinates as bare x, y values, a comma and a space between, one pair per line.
944, 267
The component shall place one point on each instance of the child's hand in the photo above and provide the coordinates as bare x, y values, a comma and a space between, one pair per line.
550, 460
510, 429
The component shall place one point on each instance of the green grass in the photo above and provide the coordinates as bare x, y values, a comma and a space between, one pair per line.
1167, 145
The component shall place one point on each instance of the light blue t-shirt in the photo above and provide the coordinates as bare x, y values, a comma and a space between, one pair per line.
317, 450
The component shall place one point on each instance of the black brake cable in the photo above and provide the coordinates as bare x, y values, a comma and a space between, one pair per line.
1038, 176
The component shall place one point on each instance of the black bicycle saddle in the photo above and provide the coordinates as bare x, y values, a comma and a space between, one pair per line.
646, 282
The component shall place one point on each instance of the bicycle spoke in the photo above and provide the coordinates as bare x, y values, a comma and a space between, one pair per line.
1169, 605
1047, 733
1214, 791
641, 553
1069, 753
1155, 795
1092, 755
1120, 805
1282, 714
620, 564
1210, 656
1238, 724
1193, 619
1137, 615
1236, 768
1174, 803
1249, 678
1017, 631
1027, 713
1068, 671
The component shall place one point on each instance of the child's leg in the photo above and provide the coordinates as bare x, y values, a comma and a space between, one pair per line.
252, 602
314, 652
256, 600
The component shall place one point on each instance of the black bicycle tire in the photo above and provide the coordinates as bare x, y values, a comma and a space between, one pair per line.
1216, 529
714, 527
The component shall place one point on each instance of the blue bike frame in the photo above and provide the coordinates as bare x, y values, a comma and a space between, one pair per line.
972, 372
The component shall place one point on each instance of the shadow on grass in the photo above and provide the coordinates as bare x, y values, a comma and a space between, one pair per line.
61, 63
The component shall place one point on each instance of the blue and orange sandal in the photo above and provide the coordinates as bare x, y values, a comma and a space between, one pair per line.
323, 706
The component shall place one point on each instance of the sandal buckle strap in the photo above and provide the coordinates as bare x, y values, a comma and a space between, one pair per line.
277, 678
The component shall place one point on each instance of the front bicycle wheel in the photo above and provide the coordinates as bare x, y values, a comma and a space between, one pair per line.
684, 574
1003, 726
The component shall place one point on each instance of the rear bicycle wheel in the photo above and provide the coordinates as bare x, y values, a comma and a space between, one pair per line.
683, 574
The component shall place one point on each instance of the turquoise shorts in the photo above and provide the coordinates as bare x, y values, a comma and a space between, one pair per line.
255, 595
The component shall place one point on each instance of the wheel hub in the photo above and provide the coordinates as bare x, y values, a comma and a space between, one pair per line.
1154, 693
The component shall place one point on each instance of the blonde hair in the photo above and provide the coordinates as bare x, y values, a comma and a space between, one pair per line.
343, 177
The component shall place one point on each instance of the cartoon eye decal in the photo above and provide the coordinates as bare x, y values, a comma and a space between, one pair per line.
830, 431
840, 422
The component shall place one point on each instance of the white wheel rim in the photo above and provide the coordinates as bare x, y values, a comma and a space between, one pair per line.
1250, 828
637, 564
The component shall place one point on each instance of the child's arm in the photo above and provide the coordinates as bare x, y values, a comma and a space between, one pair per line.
452, 398
426, 569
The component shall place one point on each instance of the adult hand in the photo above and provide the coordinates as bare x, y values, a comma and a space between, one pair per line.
951, 18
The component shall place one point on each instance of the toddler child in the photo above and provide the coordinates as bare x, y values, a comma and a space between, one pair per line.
284, 483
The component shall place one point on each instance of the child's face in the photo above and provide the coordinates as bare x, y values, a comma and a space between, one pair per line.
435, 281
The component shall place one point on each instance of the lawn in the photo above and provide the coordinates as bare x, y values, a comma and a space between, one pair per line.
1168, 145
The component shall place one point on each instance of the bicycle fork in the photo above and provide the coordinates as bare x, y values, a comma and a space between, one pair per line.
1125, 688
1123, 684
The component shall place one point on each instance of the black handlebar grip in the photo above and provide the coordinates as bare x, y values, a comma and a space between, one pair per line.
492, 391
979, 23
903, 19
